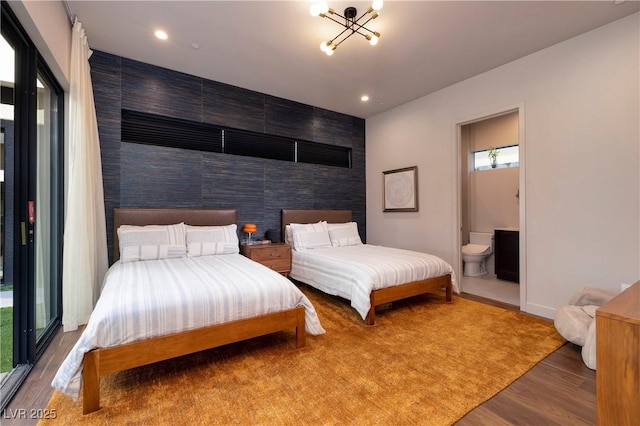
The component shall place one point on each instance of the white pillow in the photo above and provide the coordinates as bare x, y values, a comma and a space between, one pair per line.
151, 242
288, 234
210, 240
344, 234
310, 235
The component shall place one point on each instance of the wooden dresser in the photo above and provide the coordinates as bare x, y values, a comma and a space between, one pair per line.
618, 359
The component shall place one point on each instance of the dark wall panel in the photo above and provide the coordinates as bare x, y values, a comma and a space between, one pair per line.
236, 182
297, 193
150, 176
161, 91
333, 128
288, 118
231, 106
106, 77
153, 176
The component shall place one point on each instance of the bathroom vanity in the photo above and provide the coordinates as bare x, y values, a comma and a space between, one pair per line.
507, 254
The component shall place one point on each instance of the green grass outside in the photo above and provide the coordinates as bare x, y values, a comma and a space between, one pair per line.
6, 339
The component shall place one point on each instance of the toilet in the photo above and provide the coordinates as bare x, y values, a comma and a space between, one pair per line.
474, 254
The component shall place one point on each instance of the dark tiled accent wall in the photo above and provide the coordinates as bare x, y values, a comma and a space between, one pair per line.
151, 176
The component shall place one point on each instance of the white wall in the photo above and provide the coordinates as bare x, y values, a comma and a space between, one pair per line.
580, 172
49, 28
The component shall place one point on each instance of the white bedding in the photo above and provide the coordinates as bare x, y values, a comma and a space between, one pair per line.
352, 272
140, 300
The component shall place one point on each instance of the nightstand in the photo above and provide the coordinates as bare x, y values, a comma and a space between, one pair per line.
276, 256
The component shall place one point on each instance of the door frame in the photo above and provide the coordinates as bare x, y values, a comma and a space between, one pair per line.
27, 347
520, 109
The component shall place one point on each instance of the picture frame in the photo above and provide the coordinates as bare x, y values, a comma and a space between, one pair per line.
400, 190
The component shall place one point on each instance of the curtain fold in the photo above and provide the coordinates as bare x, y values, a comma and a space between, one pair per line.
85, 237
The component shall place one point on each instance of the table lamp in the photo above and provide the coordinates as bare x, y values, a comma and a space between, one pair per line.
249, 228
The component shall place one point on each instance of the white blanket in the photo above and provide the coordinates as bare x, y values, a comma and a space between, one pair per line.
140, 300
352, 272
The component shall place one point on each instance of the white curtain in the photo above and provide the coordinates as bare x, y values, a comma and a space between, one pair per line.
85, 237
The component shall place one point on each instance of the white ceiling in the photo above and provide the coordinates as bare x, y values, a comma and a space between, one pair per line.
273, 46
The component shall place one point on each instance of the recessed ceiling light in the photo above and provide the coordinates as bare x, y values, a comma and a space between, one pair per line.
195, 45
161, 35
364, 98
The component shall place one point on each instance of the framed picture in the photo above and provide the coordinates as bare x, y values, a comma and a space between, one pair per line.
400, 190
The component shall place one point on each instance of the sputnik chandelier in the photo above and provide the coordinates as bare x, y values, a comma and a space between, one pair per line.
351, 24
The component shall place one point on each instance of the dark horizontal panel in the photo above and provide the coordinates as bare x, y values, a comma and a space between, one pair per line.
253, 144
328, 155
152, 129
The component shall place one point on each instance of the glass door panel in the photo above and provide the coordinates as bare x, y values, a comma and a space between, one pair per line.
7, 87
45, 207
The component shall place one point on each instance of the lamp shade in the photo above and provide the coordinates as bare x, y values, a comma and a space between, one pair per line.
250, 228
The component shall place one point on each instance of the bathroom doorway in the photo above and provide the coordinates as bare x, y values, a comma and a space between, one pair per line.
491, 212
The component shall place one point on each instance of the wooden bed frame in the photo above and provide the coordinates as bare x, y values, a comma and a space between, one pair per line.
380, 296
103, 361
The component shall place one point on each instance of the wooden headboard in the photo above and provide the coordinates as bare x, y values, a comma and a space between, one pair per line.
141, 217
311, 216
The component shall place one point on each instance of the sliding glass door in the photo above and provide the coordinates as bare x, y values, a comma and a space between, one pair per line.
47, 202
31, 201
7, 102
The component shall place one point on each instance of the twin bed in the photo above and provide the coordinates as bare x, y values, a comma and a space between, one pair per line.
154, 310
206, 294
366, 275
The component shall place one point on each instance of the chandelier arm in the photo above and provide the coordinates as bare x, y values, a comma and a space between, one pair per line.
342, 32
337, 14
340, 42
363, 15
351, 27
335, 20
363, 35
363, 25
346, 27
349, 23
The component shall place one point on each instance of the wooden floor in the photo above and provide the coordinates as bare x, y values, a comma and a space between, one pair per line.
560, 390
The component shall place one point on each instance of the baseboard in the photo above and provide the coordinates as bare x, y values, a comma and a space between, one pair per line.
541, 311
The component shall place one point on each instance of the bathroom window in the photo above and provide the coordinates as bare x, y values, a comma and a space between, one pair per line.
507, 156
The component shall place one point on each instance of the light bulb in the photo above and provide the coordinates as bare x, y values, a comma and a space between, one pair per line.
324, 45
314, 10
323, 7
329, 50
377, 4
374, 40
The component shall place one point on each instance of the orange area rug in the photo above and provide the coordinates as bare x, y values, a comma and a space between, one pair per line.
425, 362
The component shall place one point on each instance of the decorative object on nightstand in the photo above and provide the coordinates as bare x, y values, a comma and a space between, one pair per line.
249, 228
273, 235
276, 256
